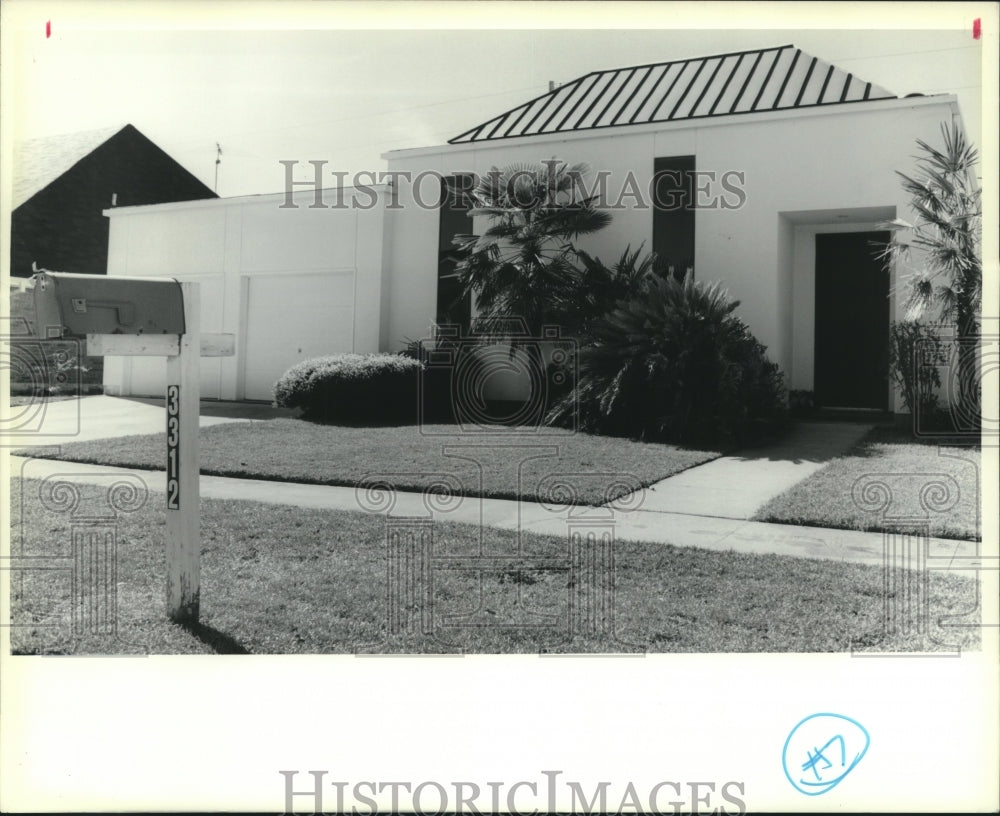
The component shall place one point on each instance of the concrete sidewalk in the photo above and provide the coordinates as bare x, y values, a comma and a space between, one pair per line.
643, 524
735, 487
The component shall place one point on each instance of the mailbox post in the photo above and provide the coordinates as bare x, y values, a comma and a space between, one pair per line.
183, 513
150, 317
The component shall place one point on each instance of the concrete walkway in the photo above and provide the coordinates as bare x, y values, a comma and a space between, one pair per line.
735, 487
643, 524
706, 506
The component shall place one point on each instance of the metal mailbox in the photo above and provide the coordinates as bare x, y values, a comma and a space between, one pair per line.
70, 305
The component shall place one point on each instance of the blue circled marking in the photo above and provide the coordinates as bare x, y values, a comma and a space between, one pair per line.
824, 753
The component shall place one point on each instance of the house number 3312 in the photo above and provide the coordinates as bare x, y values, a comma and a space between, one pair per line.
173, 447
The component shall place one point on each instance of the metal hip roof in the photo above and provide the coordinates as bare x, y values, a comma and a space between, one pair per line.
766, 79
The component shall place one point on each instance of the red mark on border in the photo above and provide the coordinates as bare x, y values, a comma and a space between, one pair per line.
977, 28
48, 29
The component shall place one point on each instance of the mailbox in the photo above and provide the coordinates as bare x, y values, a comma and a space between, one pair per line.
69, 305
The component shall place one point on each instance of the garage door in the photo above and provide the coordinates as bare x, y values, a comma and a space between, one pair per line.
290, 318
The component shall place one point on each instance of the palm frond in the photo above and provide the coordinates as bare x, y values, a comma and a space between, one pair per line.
946, 200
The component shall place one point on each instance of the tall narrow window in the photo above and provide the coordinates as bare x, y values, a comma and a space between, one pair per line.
452, 306
673, 214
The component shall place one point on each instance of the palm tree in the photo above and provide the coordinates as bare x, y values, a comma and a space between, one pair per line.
946, 198
524, 266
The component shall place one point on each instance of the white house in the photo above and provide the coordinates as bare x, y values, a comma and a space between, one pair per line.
794, 176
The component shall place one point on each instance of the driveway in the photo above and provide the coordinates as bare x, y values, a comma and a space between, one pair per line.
59, 422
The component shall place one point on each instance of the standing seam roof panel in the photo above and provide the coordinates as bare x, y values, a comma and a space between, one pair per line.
631, 104
757, 80
767, 98
581, 94
747, 73
674, 93
717, 89
666, 79
521, 122
696, 90
606, 99
617, 104
607, 79
586, 104
686, 88
792, 83
567, 92
809, 92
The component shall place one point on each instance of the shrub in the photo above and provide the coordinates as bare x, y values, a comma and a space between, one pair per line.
672, 364
909, 343
801, 403
455, 391
352, 389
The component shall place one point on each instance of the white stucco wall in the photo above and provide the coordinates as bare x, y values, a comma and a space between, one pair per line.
226, 244
813, 170
827, 169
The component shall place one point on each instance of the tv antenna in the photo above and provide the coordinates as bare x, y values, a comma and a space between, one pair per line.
218, 161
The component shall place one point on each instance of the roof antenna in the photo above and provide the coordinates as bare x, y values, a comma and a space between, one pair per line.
218, 161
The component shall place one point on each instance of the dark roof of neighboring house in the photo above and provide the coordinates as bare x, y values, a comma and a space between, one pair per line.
766, 79
39, 162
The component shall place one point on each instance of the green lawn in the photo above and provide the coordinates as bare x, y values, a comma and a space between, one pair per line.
298, 451
286, 580
847, 494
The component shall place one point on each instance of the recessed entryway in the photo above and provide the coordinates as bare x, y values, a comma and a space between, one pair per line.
852, 321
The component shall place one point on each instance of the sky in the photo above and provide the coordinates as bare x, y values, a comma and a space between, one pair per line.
321, 82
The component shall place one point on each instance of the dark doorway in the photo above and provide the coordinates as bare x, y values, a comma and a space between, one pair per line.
852, 321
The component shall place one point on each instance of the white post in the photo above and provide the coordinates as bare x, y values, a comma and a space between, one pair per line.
183, 534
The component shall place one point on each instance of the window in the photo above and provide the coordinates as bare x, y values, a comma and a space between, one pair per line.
673, 214
452, 306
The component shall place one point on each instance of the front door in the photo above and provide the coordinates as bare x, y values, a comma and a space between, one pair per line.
852, 321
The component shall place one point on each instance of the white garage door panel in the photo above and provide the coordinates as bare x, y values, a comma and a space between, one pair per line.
293, 317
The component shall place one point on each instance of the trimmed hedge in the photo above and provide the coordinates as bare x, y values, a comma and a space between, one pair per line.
353, 389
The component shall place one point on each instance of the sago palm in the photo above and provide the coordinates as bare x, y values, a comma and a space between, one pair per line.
653, 367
